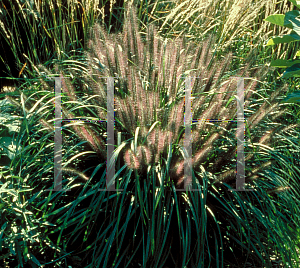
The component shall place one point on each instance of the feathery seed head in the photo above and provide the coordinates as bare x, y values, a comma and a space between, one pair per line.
131, 160
151, 88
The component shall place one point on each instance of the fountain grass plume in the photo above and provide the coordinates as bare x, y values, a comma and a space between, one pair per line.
150, 88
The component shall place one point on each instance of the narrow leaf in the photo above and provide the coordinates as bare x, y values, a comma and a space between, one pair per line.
34, 259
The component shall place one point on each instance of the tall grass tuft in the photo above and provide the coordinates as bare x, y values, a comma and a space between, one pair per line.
149, 74
35, 32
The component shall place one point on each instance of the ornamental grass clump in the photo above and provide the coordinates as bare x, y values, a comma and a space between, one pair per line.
149, 110
149, 223
150, 96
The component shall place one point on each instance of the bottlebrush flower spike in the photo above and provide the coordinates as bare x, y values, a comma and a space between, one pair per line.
131, 160
150, 88
144, 155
